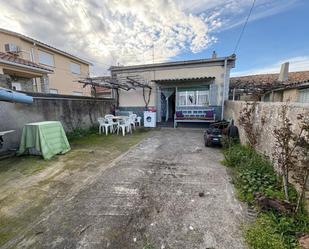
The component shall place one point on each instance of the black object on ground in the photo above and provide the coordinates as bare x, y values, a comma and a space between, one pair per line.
201, 194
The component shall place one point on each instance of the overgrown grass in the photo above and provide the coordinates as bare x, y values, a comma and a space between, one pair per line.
251, 173
79, 133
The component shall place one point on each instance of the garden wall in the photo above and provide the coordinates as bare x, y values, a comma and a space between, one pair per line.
72, 111
266, 118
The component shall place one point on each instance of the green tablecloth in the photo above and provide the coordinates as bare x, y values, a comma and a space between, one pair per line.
46, 137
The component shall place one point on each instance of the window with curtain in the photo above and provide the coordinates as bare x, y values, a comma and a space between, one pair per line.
46, 58
190, 97
182, 98
202, 98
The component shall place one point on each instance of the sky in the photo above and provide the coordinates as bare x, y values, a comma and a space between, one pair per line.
127, 32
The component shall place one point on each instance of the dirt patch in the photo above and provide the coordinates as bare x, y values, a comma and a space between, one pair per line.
29, 184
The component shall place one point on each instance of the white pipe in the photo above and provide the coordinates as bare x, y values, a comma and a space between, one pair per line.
166, 118
223, 93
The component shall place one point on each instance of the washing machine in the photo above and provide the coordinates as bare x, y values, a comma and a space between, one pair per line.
150, 119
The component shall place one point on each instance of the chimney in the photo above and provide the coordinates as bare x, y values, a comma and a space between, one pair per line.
284, 72
214, 55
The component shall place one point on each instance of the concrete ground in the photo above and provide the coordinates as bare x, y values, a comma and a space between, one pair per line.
169, 191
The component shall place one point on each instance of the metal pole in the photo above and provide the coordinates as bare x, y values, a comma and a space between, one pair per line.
223, 94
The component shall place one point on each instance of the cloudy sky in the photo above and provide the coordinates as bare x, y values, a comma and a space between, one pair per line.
126, 32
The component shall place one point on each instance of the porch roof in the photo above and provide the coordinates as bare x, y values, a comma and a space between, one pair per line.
14, 61
183, 80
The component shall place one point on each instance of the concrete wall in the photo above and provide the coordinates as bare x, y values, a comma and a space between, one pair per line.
62, 79
266, 118
73, 112
291, 95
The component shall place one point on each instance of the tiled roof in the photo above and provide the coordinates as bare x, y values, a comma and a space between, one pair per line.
101, 89
269, 81
6, 57
42, 44
230, 59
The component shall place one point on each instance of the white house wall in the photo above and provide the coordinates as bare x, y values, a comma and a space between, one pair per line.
134, 98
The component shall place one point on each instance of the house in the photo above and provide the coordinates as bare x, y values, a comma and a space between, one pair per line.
188, 90
284, 86
30, 65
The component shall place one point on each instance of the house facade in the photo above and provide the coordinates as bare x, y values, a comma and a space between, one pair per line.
187, 87
62, 70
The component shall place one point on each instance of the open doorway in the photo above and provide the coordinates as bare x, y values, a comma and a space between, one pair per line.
167, 105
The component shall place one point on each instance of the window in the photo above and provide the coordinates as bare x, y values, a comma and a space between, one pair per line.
77, 93
53, 91
16, 86
304, 96
182, 98
46, 58
193, 97
202, 98
75, 68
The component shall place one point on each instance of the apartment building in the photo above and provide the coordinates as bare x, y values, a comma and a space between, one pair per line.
33, 66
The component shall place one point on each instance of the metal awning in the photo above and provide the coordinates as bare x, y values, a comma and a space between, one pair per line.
183, 80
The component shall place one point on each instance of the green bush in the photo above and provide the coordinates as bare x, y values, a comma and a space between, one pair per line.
251, 173
80, 132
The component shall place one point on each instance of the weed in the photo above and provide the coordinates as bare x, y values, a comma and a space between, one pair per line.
80, 132
252, 172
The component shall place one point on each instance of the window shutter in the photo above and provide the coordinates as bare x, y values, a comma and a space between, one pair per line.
213, 94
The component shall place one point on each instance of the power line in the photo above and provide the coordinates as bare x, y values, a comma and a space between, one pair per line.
244, 27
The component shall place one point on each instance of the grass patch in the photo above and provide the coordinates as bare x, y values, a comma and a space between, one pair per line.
252, 172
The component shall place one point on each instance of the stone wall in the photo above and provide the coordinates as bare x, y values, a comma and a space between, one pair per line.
266, 118
73, 112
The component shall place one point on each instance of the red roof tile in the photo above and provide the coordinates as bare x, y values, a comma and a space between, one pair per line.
15, 59
269, 80
101, 89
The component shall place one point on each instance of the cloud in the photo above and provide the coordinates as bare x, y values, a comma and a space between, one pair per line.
300, 63
126, 32
109, 32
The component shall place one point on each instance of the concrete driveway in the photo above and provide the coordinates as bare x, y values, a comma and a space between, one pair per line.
148, 198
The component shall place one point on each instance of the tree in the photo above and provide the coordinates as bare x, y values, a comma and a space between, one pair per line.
291, 152
284, 150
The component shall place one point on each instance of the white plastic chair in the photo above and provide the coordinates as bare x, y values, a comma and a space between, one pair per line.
138, 120
104, 125
132, 118
124, 125
109, 118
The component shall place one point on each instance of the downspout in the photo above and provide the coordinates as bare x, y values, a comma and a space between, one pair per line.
33, 60
223, 93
